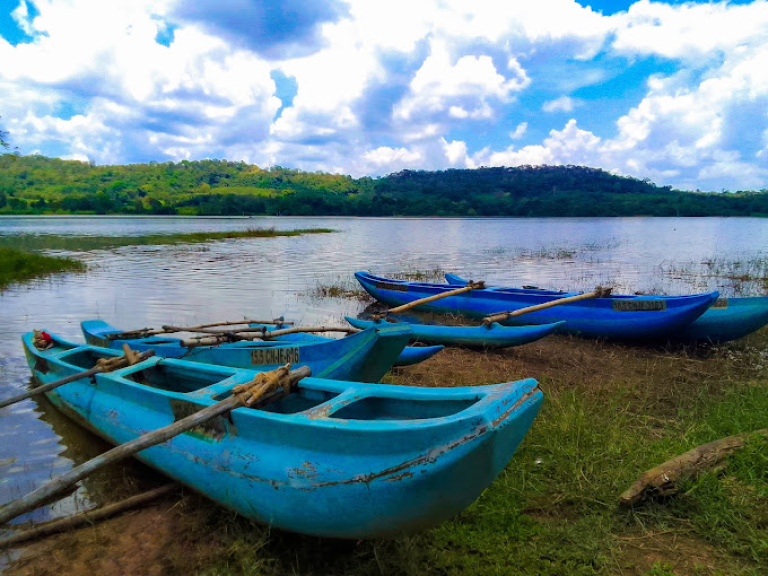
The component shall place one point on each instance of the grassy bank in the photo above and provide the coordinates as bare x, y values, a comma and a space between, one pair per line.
78, 243
17, 266
611, 412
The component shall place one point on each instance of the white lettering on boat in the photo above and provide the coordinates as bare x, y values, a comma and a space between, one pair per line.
261, 356
639, 305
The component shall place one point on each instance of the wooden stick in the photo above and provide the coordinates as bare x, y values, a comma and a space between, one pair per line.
499, 316
299, 329
470, 286
87, 517
66, 380
145, 332
262, 334
245, 395
665, 479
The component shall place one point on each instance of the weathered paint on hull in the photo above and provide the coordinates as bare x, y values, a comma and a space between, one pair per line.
360, 461
618, 317
363, 357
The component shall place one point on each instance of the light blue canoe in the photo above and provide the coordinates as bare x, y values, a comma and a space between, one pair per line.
727, 319
617, 317
333, 459
408, 357
362, 357
491, 336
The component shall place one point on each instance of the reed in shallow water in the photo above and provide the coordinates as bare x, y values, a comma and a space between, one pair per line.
17, 265
82, 243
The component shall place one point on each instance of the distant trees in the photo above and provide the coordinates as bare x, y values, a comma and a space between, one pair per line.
36, 184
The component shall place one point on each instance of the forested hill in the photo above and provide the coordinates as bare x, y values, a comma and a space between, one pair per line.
40, 185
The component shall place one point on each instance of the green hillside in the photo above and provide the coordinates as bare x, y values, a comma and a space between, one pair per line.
40, 185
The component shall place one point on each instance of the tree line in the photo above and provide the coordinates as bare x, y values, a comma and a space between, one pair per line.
40, 185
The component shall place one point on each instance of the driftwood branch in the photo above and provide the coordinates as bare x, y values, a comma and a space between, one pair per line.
599, 292
87, 517
243, 395
665, 479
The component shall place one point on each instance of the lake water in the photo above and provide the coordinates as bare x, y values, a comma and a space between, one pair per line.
138, 286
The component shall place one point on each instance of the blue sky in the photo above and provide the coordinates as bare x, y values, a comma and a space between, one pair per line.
673, 91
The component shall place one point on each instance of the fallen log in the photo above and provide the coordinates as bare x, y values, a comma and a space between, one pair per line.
665, 479
87, 517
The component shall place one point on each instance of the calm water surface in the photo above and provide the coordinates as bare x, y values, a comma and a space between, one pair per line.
138, 286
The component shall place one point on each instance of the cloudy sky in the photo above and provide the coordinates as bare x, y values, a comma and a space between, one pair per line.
672, 91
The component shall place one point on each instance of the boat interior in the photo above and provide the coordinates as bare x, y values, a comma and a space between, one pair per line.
84, 358
202, 381
379, 408
349, 402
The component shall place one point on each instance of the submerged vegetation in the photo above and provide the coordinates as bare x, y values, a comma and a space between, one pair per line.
748, 273
40, 185
62, 242
16, 265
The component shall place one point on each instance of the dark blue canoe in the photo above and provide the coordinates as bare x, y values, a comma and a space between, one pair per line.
408, 357
333, 459
491, 336
617, 317
727, 319
362, 357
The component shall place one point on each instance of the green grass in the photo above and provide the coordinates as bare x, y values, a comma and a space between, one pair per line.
83, 243
17, 266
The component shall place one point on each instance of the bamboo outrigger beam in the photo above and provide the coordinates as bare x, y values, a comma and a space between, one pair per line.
203, 328
469, 287
243, 395
260, 333
599, 292
119, 362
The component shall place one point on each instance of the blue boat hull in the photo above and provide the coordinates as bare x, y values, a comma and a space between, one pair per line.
492, 336
362, 357
408, 357
332, 459
727, 319
616, 317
